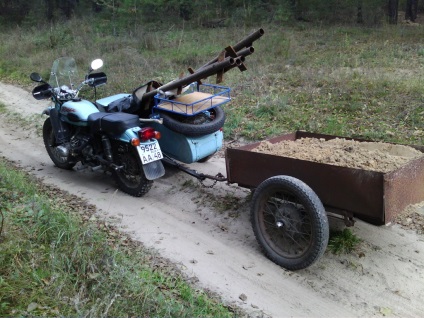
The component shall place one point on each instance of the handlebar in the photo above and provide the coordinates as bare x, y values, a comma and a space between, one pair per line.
45, 92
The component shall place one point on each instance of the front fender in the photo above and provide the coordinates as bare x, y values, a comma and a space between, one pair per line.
46, 111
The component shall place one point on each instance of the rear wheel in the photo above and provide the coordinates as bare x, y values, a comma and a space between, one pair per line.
289, 222
130, 178
63, 162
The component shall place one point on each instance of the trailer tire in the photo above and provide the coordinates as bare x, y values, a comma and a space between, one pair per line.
197, 125
289, 222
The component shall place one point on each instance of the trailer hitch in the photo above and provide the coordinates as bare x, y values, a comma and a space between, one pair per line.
219, 177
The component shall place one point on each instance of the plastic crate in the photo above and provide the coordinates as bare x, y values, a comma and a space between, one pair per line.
195, 100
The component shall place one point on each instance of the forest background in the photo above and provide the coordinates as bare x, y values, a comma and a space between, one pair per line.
208, 12
349, 68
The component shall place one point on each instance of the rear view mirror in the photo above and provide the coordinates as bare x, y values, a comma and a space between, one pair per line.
36, 77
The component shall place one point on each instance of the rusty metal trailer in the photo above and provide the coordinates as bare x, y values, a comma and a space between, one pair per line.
287, 216
374, 197
293, 198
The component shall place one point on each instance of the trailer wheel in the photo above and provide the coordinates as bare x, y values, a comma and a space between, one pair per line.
289, 222
197, 125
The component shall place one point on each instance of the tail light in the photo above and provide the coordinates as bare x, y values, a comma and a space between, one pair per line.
147, 133
135, 142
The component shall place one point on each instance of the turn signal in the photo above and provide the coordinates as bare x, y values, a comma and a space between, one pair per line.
147, 133
135, 142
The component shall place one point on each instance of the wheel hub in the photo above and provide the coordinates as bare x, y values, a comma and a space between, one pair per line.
279, 223
288, 217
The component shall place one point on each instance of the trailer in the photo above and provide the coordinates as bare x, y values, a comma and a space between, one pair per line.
293, 199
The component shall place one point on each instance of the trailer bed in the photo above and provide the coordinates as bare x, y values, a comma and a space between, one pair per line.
372, 196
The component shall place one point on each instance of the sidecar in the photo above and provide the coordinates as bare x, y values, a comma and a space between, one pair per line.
192, 121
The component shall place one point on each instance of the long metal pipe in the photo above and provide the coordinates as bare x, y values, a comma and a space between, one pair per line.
246, 42
197, 76
242, 55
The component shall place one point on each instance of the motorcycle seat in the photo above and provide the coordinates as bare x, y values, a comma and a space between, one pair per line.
112, 122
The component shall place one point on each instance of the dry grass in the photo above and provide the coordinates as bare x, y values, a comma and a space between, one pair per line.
343, 80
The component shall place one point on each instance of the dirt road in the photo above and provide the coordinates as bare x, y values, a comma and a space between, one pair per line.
190, 226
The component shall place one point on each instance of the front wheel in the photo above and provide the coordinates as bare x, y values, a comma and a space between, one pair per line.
289, 222
130, 178
50, 143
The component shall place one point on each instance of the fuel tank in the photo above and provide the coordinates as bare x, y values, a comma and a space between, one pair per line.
76, 112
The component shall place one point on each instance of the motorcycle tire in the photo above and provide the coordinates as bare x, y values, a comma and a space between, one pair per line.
50, 144
289, 222
130, 178
197, 125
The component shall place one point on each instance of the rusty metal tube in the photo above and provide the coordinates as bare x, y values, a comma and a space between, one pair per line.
240, 60
203, 73
246, 42
242, 57
245, 52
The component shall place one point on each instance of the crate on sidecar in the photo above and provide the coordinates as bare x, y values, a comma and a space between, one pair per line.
196, 99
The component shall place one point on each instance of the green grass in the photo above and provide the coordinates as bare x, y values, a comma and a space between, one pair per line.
53, 263
343, 242
346, 80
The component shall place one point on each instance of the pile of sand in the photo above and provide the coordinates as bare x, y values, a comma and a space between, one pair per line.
375, 156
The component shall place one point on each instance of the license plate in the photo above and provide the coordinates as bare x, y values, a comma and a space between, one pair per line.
149, 152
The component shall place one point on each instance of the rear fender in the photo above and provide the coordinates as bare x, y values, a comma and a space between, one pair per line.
127, 135
152, 170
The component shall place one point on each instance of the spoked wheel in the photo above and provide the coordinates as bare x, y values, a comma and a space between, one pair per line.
130, 178
289, 222
63, 162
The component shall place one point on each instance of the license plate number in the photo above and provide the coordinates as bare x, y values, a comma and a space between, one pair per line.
149, 152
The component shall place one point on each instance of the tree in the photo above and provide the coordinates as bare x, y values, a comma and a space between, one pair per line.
393, 11
359, 16
411, 10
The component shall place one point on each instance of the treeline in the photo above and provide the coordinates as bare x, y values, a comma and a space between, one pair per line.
209, 13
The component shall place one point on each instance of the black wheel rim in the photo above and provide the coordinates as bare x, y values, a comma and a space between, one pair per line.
130, 173
285, 224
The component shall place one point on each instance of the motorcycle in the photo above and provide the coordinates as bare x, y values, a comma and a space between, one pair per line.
77, 131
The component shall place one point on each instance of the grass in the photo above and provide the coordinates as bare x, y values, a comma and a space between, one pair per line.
343, 242
346, 80
55, 262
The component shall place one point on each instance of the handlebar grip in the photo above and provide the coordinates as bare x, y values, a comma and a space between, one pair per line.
45, 92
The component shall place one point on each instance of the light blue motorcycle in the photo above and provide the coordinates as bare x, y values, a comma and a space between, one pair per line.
77, 131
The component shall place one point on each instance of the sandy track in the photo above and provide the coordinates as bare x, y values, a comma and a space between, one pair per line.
184, 223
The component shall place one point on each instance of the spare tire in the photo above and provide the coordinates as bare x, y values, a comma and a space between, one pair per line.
197, 125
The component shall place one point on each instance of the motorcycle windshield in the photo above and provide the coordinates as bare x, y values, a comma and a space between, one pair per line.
64, 73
